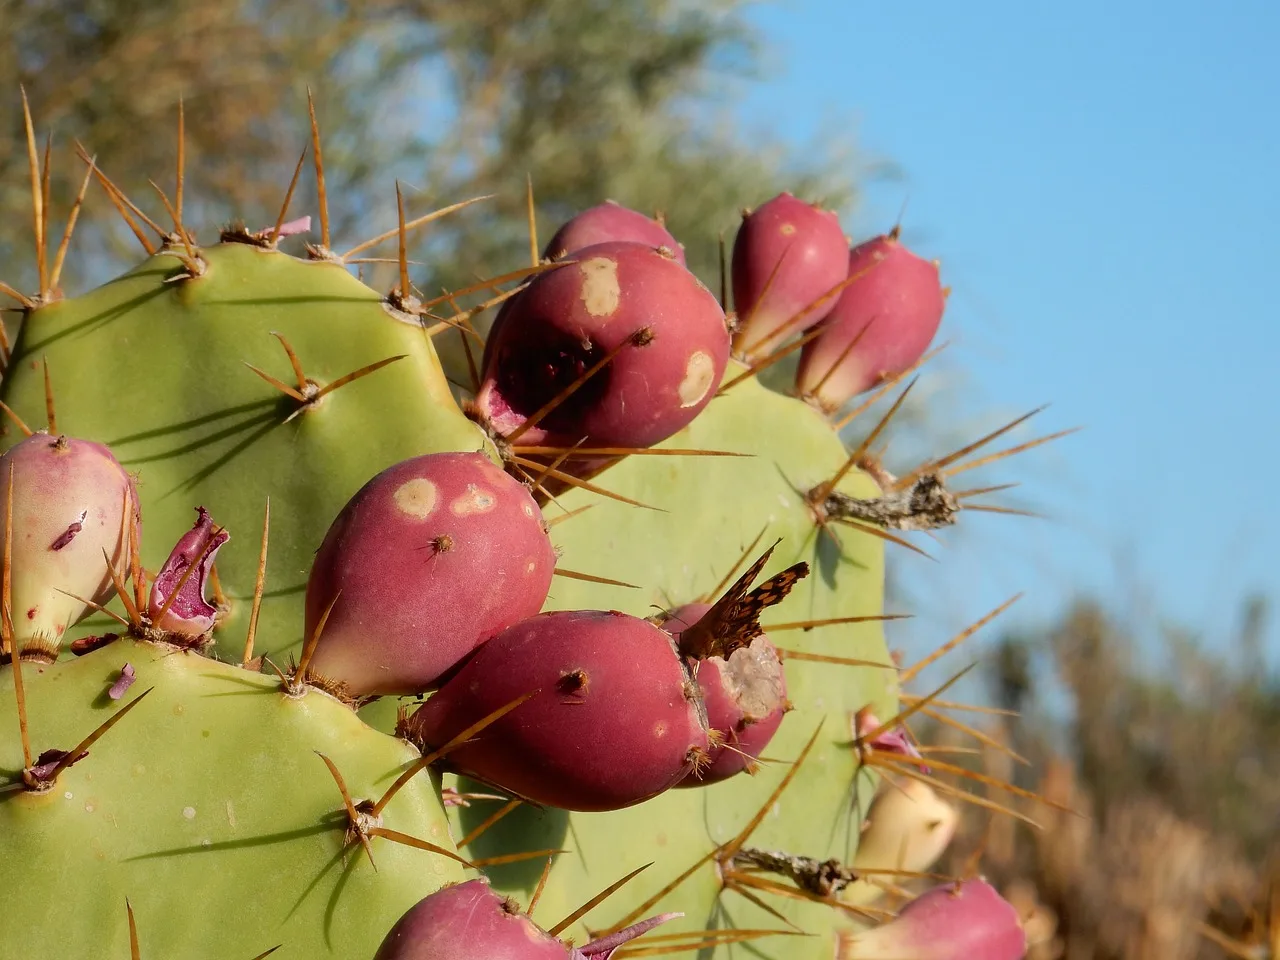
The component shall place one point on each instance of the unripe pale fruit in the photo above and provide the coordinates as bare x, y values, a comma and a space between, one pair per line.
665, 331
609, 222
428, 560
908, 828
892, 310
614, 718
69, 505
787, 254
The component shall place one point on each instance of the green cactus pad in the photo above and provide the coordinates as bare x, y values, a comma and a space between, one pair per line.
209, 809
715, 507
173, 398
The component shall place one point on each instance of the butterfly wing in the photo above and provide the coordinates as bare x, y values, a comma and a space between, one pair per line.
742, 624
734, 620
699, 640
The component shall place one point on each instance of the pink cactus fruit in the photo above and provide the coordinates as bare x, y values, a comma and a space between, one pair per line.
468, 921
745, 697
908, 828
428, 560
960, 921
609, 222
867, 732
882, 323
177, 604
69, 503
504, 310
663, 329
614, 717
787, 254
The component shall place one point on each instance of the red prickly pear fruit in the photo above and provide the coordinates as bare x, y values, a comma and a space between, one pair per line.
664, 330
609, 222
468, 921
189, 614
892, 310
893, 740
745, 697
787, 254
69, 503
955, 921
498, 320
428, 560
614, 717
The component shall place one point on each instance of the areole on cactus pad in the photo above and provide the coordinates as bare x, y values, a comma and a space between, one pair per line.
559, 570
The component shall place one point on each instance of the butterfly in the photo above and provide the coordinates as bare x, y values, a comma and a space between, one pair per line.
734, 620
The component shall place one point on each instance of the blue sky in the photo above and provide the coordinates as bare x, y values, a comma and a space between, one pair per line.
1102, 184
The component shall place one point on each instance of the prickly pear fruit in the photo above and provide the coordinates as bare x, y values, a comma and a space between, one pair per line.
654, 335
866, 726
177, 604
69, 503
908, 828
959, 921
787, 254
468, 921
614, 717
428, 560
745, 696
892, 309
608, 222
490, 337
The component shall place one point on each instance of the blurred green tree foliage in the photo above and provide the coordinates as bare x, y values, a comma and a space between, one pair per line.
592, 98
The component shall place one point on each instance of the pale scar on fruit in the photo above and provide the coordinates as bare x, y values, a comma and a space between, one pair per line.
474, 500
600, 293
416, 497
698, 374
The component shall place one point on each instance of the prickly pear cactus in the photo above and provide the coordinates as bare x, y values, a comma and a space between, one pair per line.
189, 738
186, 410
209, 792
